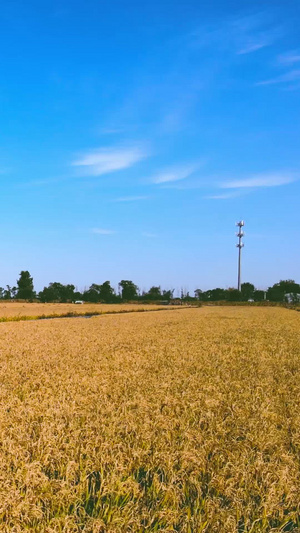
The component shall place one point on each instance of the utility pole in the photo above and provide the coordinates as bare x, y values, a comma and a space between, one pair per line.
240, 245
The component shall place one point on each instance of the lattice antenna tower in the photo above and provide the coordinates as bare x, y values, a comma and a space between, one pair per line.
240, 234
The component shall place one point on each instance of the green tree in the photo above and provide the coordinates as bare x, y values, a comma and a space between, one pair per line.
247, 290
7, 293
25, 286
277, 292
47, 294
14, 292
168, 295
128, 289
68, 293
206, 296
96, 293
217, 295
233, 295
154, 293
106, 292
57, 292
92, 294
259, 296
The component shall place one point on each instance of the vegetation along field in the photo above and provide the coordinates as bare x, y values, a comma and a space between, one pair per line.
182, 421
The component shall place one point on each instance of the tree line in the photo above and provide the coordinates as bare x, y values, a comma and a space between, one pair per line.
284, 290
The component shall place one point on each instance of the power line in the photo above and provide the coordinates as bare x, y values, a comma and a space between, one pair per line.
240, 245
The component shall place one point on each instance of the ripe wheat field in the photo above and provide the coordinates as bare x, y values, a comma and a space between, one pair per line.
184, 421
16, 310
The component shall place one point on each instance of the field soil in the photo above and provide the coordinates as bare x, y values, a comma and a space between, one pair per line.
185, 421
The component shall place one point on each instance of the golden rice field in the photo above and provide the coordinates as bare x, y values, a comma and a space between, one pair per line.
185, 421
17, 310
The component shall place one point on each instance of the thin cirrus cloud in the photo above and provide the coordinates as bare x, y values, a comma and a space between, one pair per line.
224, 196
174, 174
289, 58
261, 180
239, 35
149, 235
4, 171
254, 32
102, 231
107, 160
131, 198
288, 77
252, 47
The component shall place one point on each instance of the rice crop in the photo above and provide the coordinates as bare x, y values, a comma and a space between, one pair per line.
185, 421
16, 310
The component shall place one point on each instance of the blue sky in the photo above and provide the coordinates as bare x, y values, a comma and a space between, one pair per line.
135, 134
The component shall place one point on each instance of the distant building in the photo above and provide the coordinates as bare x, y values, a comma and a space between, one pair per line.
292, 297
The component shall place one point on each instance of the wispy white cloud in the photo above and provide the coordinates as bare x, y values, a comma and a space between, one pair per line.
192, 184
46, 181
224, 196
292, 75
174, 174
254, 32
289, 58
131, 198
149, 235
261, 180
240, 35
102, 231
4, 171
238, 186
107, 160
252, 47
110, 131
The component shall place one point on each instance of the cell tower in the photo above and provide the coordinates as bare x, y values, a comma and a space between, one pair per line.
240, 245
